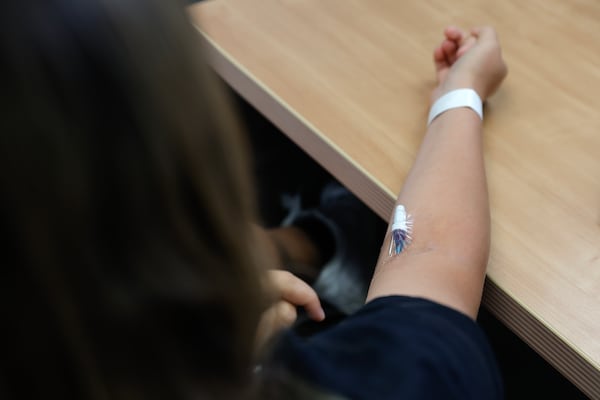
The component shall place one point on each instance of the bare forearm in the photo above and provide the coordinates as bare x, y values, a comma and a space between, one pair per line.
446, 193
446, 190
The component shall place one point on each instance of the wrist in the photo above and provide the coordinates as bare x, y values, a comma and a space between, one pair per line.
453, 84
457, 98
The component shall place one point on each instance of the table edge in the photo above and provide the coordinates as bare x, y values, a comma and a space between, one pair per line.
371, 191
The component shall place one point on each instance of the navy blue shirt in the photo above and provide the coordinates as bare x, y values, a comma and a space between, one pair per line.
397, 347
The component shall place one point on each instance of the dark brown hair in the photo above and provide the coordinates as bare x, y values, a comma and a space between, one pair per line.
128, 263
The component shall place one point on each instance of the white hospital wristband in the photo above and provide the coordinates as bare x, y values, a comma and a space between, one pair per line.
456, 99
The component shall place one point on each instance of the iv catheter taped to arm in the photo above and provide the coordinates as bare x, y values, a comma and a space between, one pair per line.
401, 231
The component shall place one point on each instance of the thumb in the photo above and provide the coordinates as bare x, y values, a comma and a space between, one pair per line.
297, 292
466, 45
279, 316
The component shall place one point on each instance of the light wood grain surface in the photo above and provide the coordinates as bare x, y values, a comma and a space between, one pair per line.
349, 81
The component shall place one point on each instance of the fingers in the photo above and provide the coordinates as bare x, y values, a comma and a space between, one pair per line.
438, 54
449, 47
453, 33
467, 44
279, 316
282, 315
457, 43
297, 292
440, 62
444, 54
469, 59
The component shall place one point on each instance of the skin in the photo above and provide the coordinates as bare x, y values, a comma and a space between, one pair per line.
290, 292
447, 258
446, 189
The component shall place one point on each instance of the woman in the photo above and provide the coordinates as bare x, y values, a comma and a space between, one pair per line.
131, 268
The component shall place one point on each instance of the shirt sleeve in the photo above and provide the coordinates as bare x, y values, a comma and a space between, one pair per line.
397, 347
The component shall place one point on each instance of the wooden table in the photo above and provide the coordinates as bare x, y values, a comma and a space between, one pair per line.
349, 81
